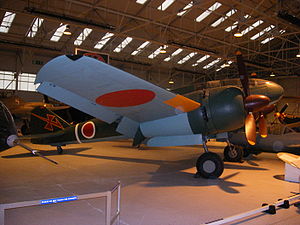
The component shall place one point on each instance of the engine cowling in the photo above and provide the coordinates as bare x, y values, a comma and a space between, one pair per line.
222, 110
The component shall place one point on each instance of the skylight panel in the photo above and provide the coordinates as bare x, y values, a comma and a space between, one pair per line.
165, 5
230, 28
201, 60
208, 11
185, 9
212, 63
248, 29
140, 48
156, 52
123, 44
104, 40
222, 19
58, 33
271, 38
82, 36
189, 56
173, 54
36, 24
7, 21
267, 29
141, 1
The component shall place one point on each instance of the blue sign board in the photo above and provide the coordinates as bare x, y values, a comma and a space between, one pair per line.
58, 200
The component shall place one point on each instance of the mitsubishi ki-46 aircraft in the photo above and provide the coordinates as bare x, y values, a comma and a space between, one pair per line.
153, 116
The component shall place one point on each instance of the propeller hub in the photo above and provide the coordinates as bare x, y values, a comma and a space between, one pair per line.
11, 140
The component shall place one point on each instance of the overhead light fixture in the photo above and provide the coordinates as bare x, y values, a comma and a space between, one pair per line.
272, 74
238, 33
298, 54
67, 30
163, 49
171, 81
253, 74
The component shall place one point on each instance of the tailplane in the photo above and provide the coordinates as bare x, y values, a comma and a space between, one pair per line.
44, 121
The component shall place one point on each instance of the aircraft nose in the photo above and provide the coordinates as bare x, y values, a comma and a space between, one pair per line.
275, 91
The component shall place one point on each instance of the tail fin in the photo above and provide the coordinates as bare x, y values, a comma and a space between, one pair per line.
44, 121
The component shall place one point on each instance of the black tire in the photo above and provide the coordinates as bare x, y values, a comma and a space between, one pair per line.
233, 154
210, 165
59, 150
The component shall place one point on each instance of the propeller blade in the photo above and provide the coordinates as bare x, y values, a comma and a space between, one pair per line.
250, 129
242, 72
284, 108
34, 152
262, 124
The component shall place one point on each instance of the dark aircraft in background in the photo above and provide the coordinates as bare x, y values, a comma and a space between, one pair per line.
289, 120
47, 128
21, 110
289, 142
152, 115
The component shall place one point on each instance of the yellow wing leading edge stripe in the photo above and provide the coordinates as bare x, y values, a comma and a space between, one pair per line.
182, 103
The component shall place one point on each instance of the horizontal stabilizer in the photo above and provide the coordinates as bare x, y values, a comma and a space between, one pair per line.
289, 158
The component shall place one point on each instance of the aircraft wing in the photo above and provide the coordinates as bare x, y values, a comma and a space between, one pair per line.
289, 158
108, 93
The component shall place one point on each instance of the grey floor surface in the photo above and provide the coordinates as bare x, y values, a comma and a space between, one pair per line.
158, 187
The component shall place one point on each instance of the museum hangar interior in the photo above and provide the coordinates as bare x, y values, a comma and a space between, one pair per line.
181, 46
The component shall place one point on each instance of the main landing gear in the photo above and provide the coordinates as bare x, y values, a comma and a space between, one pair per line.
59, 150
233, 153
209, 164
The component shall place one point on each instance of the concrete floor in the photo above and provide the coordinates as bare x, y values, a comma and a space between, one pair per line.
158, 187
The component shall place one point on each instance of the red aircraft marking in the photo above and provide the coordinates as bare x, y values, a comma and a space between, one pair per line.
88, 130
126, 98
51, 121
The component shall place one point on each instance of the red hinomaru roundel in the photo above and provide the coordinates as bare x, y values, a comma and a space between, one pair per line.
126, 98
88, 130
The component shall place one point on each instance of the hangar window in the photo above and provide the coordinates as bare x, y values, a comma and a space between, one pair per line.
141, 1
226, 64
248, 29
7, 21
222, 19
271, 38
140, 48
156, 52
104, 40
201, 60
124, 43
267, 29
7, 80
234, 25
189, 56
185, 9
173, 54
82, 36
36, 24
212, 63
208, 11
26, 82
59, 32
165, 5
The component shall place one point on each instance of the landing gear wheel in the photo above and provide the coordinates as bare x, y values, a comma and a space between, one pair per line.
59, 150
233, 154
209, 165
